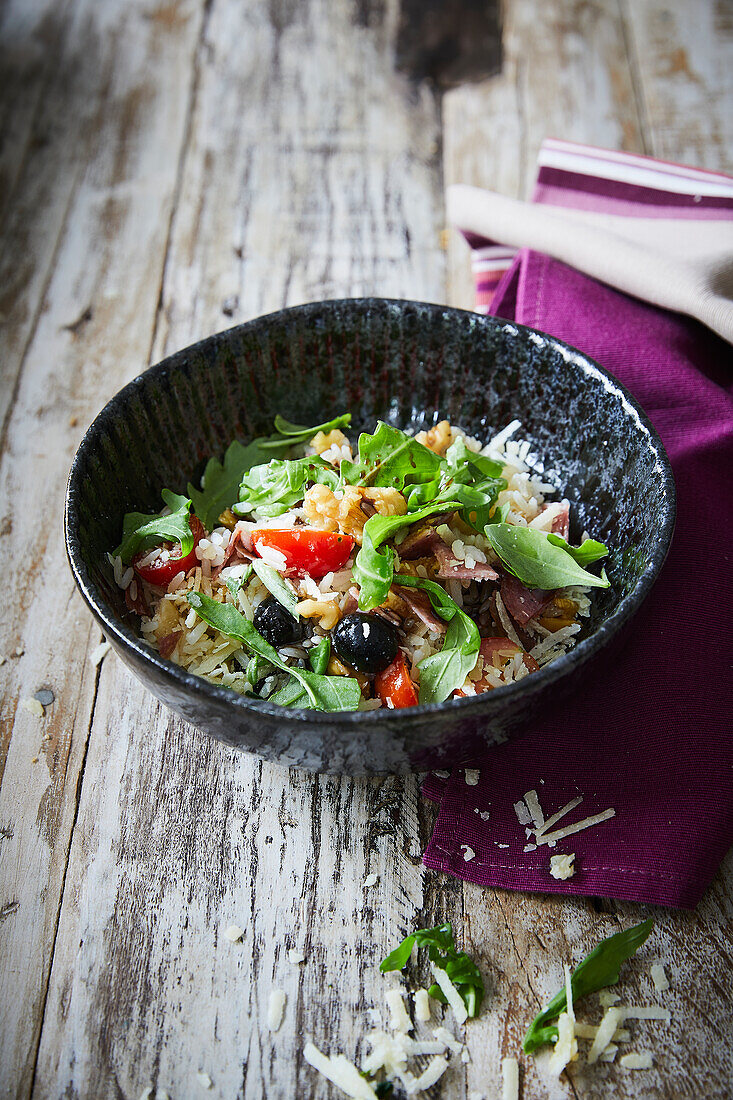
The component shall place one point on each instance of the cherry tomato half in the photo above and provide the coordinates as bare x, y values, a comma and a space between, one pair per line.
306, 550
168, 562
394, 686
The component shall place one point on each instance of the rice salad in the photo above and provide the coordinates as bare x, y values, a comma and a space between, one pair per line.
398, 570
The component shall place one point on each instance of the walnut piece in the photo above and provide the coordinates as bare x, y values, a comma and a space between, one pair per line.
437, 439
321, 442
326, 611
328, 512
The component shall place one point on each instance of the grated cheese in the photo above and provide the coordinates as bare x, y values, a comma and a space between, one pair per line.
450, 993
566, 1047
560, 814
33, 706
275, 1009
99, 653
659, 977
204, 1080
472, 776
295, 956
589, 1031
399, 1020
510, 1079
233, 933
612, 1019
523, 815
535, 810
422, 1005
637, 1061
370, 880
433, 1073
561, 866
468, 853
609, 1053
340, 1072
560, 834
646, 1012
448, 1040
607, 998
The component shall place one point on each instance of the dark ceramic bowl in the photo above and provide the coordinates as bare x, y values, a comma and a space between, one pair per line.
410, 364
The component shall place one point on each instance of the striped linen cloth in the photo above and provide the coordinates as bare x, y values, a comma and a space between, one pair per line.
648, 736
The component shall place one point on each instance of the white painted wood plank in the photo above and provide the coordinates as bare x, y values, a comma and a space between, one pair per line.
564, 74
121, 115
683, 55
311, 159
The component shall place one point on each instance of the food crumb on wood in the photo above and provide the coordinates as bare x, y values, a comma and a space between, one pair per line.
233, 933
275, 1009
18, 651
99, 653
510, 1079
295, 957
33, 706
659, 977
3, 659
561, 866
643, 1060
371, 880
204, 1080
472, 776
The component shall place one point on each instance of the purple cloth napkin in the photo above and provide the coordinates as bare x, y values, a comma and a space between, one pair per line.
650, 735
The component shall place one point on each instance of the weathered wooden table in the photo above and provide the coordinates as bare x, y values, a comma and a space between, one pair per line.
168, 168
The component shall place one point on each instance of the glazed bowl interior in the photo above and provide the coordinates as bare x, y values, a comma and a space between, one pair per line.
410, 364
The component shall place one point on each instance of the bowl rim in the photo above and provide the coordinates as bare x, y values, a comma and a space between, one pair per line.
476, 705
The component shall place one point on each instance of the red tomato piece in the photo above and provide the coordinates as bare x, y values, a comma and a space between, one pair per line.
394, 686
168, 562
306, 550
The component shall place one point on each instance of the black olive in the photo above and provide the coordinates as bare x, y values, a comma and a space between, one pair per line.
366, 642
276, 625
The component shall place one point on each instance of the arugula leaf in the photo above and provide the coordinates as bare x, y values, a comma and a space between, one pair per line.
288, 435
373, 569
319, 655
275, 486
142, 532
221, 481
500, 513
390, 457
281, 589
443, 672
257, 669
460, 967
597, 970
471, 479
535, 561
236, 584
327, 693
589, 551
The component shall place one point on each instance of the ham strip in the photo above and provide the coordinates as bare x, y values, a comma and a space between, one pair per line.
523, 603
427, 542
450, 568
235, 552
167, 644
421, 608
561, 522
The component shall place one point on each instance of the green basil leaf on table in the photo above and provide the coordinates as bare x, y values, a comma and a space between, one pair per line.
390, 457
443, 672
442, 950
597, 970
277, 586
220, 483
535, 561
143, 532
274, 487
374, 567
328, 693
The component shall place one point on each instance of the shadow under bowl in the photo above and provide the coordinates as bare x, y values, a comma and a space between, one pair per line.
411, 364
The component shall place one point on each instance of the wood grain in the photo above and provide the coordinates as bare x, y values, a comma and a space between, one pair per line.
87, 226
170, 167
